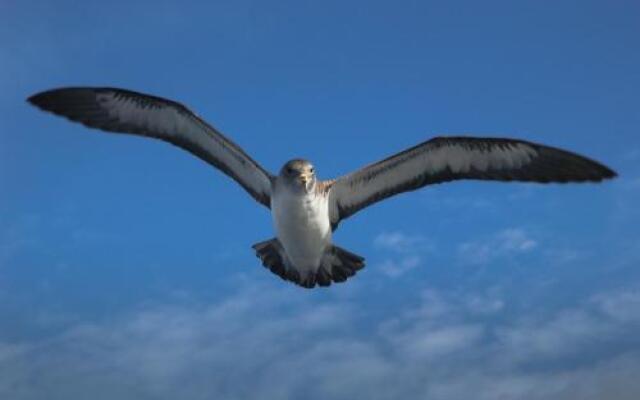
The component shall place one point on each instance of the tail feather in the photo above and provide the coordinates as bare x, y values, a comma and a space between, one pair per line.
270, 252
323, 278
342, 263
337, 265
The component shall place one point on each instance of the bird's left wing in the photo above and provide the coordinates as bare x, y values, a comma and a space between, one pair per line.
444, 159
124, 111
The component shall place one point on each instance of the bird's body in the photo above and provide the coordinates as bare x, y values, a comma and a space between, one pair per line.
301, 222
305, 210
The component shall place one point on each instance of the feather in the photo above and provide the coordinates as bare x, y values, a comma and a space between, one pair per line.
444, 159
124, 111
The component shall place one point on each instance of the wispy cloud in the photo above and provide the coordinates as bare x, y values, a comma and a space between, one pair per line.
623, 306
405, 252
506, 242
397, 267
402, 243
256, 343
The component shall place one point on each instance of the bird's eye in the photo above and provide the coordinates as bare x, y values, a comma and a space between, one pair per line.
311, 170
289, 170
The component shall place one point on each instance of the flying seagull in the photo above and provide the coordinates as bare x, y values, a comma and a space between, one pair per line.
307, 210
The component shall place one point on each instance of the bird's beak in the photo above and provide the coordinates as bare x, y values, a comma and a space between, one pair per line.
305, 178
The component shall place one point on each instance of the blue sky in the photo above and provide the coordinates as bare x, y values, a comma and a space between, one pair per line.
125, 264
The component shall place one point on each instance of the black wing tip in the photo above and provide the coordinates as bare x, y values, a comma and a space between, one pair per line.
47, 98
608, 173
40, 99
598, 172
576, 167
51, 99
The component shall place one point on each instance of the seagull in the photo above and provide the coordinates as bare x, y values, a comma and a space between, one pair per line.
305, 210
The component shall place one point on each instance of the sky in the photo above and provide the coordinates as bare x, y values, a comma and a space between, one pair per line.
126, 268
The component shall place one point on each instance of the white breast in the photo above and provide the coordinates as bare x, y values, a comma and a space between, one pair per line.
302, 225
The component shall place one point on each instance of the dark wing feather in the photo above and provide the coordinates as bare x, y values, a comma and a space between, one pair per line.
124, 111
444, 159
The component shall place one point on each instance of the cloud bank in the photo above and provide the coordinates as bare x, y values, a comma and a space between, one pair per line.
269, 342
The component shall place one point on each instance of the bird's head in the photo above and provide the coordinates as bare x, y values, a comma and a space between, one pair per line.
299, 173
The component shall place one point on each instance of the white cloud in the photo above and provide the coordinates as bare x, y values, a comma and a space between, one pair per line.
398, 267
484, 305
406, 252
565, 334
516, 240
623, 306
402, 243
258, 343
423, 341
505, 243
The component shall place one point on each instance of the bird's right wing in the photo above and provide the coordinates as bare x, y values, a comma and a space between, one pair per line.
124, 111
444, 159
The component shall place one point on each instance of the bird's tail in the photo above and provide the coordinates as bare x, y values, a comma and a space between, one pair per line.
274, 258
337, 265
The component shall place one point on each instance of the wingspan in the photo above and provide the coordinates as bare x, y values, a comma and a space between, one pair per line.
124, 111
444, 159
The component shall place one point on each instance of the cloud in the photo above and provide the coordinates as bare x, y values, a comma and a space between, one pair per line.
395, 268
402, 243
505, 243
425, 342
565, 334
406, 252
484, 304
623, 306
258, 343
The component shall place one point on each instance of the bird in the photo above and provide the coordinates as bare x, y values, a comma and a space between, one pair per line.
306, 210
